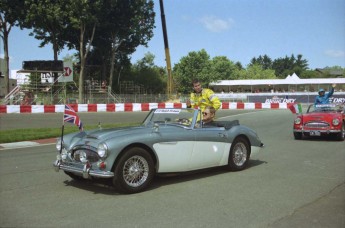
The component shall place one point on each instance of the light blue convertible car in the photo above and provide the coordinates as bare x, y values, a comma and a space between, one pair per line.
169, 140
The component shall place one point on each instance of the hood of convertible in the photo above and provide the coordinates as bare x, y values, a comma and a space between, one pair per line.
114, 132
95, 136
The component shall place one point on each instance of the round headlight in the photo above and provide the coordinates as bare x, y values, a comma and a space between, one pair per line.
335, 122
102, 150
297, 120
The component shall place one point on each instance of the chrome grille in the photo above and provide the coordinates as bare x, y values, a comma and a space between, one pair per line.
89, 155
316, 125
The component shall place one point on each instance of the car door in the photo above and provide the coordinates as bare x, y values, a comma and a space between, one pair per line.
174, 149
210, 148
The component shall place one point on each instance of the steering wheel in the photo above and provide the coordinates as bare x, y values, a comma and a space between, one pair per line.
184, 121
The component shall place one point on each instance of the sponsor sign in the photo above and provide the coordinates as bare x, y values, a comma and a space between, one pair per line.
337, 99
46, 78
174, 111
277, 99
67, 75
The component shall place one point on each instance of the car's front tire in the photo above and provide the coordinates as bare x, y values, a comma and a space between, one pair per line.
297, 135
134, 171
341, 135
239, 154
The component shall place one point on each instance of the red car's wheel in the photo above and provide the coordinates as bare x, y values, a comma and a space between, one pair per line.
297, 135
341, 135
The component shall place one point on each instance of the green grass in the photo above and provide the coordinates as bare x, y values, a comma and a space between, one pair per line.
17, 135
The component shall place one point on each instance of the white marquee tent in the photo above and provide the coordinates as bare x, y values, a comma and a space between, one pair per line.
289, 81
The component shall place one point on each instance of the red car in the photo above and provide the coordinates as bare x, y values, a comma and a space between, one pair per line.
321, 120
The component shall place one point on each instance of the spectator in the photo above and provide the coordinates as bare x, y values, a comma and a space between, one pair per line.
104, 84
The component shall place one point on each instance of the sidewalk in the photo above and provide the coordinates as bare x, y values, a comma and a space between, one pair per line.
27, 143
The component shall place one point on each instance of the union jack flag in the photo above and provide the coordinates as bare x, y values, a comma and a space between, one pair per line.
71, 116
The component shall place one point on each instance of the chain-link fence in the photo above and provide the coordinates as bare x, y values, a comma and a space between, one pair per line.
68, 94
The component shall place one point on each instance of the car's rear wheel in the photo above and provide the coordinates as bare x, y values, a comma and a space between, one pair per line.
239, 154
134, 171
297, 135
341, 135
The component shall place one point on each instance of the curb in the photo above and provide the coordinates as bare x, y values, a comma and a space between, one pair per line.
22, 144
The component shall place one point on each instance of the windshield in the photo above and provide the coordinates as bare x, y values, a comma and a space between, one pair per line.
327, 108
183, 117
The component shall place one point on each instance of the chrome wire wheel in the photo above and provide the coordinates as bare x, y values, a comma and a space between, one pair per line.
240, 154
135, 171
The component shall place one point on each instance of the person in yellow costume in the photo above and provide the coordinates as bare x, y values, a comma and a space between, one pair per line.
201, 97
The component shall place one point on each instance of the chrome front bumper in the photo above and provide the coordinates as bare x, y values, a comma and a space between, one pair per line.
86, 171
321, 131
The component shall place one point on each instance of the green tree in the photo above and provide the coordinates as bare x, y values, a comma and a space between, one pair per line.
222, 69
47, 19
256, 71
289, 65
125, 24
83, 20
264, 61
48, 22
10, 12
196, 65
310, 74
147, 74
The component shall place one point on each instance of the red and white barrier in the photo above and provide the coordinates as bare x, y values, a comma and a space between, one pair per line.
127, 107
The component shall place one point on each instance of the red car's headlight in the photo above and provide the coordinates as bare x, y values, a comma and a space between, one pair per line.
335, 122
298, 120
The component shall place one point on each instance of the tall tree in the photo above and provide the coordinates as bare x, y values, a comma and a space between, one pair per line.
126, 24
196, 65
10, 12
222, 68
256, 71
48, 22
47, 19
83, 18
264, 61
147, 74
289, 65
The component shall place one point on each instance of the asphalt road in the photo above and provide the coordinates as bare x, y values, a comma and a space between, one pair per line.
290, 184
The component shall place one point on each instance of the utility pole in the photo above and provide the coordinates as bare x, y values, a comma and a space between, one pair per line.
167, 53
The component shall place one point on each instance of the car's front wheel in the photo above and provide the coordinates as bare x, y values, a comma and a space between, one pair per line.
134, 171
341, 135
239, 154
297, 135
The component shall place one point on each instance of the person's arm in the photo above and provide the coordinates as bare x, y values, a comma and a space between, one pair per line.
330, 93
216, 103
214, 100
191, 102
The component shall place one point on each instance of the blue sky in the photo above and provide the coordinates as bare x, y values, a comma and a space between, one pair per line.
238, 29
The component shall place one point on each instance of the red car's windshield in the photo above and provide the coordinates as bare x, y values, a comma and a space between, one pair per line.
327, 108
